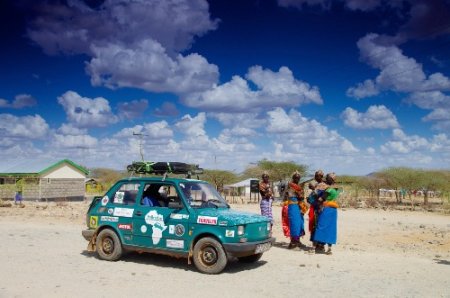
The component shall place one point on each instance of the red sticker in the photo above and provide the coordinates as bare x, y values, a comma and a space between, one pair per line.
128, 227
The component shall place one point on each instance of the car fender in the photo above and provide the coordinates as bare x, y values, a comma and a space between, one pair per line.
92, 243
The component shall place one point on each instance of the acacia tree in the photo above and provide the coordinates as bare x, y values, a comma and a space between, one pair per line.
107, 176
400, 178
219, 178
277, 171
432, 180
413, 179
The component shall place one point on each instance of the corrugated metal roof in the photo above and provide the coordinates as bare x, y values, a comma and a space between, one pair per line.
242, 183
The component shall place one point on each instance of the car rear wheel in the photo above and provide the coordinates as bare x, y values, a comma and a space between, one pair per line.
108, 245
209, 256
250, 259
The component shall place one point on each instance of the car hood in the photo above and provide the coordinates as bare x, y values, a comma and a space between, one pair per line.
230, 217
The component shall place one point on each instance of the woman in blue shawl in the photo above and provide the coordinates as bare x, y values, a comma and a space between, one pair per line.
326, 230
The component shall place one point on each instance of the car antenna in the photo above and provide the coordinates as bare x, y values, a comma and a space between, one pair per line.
140, 143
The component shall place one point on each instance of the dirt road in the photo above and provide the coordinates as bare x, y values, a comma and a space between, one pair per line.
379, 254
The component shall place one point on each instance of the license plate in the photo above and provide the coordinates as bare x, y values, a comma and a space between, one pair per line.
263, 247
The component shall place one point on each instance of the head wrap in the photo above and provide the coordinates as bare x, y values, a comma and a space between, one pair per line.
331, 177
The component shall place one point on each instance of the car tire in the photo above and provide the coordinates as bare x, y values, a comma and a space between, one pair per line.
250, 259
108, 245
209, 256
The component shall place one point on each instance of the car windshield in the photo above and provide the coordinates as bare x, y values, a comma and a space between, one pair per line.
202, 195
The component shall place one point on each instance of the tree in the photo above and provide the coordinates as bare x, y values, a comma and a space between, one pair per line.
431, 180
107, 176
219, 178
277, 171
402, 179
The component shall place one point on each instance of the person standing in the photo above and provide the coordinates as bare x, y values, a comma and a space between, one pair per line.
266, 193
326, 230
317, 190
294, 196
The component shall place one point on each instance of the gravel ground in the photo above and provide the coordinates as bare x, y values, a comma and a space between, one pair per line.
379, 254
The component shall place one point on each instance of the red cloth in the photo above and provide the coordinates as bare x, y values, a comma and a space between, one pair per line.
285, 221
311, 220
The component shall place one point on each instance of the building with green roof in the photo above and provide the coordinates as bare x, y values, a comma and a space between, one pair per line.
43, 180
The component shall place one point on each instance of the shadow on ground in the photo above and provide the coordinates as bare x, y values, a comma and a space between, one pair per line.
442, 262
163, 261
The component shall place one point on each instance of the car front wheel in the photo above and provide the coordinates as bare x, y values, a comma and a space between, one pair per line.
209, 256
108, 245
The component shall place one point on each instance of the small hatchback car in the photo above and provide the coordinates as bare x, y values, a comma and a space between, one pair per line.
177, 217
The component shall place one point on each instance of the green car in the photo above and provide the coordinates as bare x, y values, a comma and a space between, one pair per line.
177, 217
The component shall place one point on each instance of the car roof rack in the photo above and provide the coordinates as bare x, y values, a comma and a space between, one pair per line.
164, 168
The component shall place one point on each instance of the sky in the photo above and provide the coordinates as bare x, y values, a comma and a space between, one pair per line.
350, 86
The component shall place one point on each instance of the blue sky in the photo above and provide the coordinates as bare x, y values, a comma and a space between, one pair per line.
351, 86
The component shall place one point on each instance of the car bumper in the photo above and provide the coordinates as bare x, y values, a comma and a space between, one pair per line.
87, 234
248, 248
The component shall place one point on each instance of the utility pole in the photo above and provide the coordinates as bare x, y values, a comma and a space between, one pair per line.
140, 135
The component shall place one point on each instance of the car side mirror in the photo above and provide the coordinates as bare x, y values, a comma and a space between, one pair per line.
175, 205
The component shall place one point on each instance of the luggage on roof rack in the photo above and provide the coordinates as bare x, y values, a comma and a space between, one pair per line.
143, 167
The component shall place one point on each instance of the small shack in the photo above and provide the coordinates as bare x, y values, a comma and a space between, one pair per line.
242, 187
44, 180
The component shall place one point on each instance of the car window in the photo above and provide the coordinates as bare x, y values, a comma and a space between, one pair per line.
202, 195
126, 194
158, 195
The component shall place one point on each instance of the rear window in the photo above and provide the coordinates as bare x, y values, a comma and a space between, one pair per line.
126, 194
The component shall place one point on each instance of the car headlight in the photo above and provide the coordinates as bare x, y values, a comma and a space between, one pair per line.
240, 230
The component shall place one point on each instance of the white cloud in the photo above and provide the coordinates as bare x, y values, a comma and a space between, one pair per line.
74, 141
300, 136
25, 127
69, 129
402, 143
192, 126
436, 101
132, 109
154, 132
20, 101
74, 26
365, 89
84, 112
148, 59
375, 117
397, 72
167, 109
415, 151
147, 66
240, 131
274, 89
250, 120
370, 151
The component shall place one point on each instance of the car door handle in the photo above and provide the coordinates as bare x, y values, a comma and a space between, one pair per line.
138, 213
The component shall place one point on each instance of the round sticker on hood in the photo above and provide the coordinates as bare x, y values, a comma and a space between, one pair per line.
105, 200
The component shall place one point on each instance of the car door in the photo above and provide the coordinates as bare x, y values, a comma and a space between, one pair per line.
161, 227
121, 210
